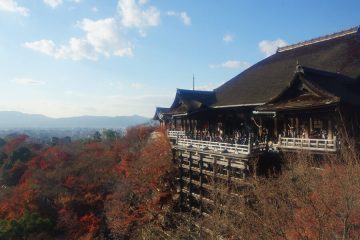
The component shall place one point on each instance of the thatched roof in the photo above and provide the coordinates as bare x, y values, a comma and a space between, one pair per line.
259, 84
312, 88
191, 100
159, 113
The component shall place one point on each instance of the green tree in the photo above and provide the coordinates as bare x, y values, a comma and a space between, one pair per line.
29, 225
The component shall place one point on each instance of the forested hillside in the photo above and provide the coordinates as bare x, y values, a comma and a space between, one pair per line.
83, 190
124, 189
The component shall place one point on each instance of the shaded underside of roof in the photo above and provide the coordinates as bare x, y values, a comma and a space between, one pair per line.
268, 78
300, 102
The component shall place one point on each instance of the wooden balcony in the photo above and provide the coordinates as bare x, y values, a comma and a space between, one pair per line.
321, 145
176, 134
221, 147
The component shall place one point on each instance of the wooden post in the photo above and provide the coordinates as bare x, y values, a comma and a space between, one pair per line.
181, 182
228, 172
190, 173
191, 127
279, 141
261, 128
296, 126
329, 131
285, 129
214, 168
275, 126
311, 125
201, 179
250, 144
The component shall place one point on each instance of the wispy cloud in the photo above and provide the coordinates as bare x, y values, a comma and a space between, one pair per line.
269, 47
232, 64
228, 38
27, 81
134, 14
94, 9
13, 6
53, 3
102, 38
183, 16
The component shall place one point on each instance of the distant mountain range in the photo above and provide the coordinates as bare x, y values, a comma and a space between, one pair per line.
10, 119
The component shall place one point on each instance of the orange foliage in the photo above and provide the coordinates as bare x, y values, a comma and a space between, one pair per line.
15, 143
75, 184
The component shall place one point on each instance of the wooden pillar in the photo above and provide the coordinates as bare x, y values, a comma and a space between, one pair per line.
285, 128
201, 179
191, 126
190, 173
214, 168
306, 131
182, 124
181, 182
261, 127
310, 125
275, 127
250, 144
228, 172
330, 134
296, 126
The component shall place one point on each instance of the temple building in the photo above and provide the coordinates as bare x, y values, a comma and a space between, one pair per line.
301, 97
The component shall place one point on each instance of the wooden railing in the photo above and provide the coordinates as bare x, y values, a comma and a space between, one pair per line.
221, 146
176, 134
308, 144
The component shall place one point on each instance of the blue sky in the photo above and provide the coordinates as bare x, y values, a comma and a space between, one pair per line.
123, 57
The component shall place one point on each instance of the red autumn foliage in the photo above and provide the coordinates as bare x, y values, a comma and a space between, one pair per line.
14, 143
79, 184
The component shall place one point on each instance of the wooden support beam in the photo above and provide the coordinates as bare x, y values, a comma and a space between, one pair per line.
330, 134
201, 178
296, 126
275, 126
228, 171
190, 177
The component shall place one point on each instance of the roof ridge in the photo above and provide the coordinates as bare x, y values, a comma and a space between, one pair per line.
320, 39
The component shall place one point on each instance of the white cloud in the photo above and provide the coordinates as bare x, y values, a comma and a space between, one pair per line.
12, 6
233, 64
94, 9
135, 15
44, 46
183, 16
228, 38
270, 47
53, 3
27, 81
102, 38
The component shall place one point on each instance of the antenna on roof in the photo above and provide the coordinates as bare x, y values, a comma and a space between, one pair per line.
193, 82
